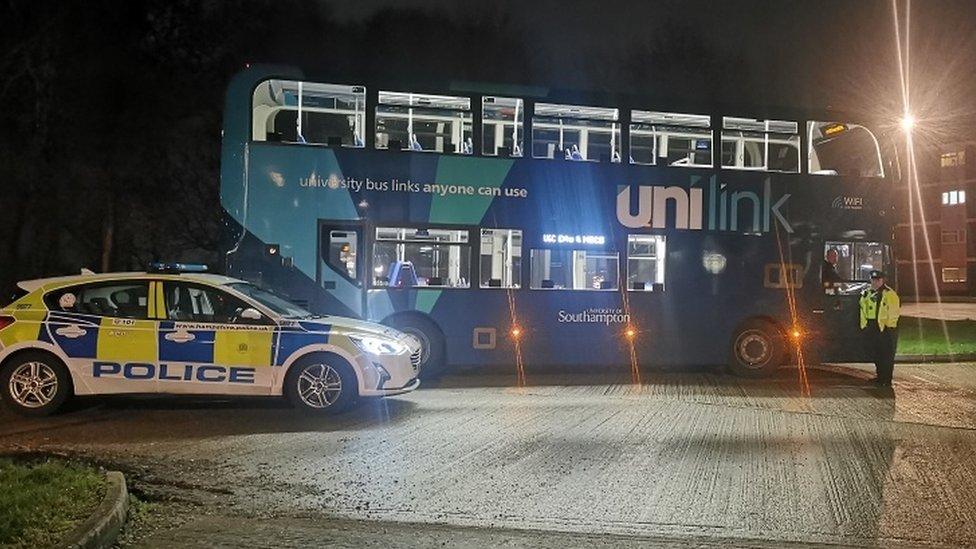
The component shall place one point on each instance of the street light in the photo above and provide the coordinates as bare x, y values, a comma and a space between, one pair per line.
908, 122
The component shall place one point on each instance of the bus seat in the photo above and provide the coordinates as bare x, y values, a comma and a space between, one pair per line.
435, 281
568, 155
615, 157
403, 275
547, 283
637, 285
606, 284
395, 145
575, 153
358, 140
467, 147
494, 283
333, 141
657, 287
516, 149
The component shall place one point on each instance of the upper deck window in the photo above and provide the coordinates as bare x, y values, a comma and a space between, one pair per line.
502, 126
575, 133
837, 148
306, 112
769, 145
423, 122
670, 139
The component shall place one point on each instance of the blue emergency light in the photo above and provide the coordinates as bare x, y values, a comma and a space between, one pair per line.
176, 268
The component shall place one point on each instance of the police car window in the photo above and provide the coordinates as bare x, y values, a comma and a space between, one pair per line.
192, 303
120, 300
277, 304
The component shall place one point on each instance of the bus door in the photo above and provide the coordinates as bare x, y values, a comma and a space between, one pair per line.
340, 267
845, 273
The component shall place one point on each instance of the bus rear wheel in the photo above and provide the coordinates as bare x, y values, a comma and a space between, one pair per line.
757, 349
433, 355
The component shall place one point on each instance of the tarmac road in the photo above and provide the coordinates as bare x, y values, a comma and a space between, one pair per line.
692, 459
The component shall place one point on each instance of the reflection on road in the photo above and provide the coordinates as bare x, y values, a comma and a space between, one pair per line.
687, 455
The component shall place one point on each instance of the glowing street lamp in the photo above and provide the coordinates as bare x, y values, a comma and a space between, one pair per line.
908, 122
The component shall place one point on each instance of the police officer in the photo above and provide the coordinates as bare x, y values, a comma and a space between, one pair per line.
880, 308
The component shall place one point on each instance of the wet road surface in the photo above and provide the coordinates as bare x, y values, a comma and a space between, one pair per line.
693, 459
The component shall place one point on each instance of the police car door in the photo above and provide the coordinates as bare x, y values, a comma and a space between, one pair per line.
206, 347
107, 332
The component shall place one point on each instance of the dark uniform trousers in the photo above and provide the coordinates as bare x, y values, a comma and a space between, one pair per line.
882, 346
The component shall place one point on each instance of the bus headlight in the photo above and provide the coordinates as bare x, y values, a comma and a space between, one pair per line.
378, 345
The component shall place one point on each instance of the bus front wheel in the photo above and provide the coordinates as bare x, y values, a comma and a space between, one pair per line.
758, 349
433, 355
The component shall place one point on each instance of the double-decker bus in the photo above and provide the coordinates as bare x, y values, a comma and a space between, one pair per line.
558, 229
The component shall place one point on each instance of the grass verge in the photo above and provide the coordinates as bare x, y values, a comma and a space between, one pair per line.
925, 336
42, 500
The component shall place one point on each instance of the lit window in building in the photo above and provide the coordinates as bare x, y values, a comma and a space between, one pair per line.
955, 158
953, 274
945, 198
962, 197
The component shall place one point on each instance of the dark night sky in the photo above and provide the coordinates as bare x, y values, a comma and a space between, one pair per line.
117, 104
813, 53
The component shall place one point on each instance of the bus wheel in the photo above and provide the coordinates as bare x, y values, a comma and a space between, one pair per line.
757, 349
433, 355
321, 384
35, 383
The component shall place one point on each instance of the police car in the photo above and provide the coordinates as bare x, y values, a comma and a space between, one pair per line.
178, 330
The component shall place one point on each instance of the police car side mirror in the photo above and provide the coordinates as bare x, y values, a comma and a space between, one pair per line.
251, 314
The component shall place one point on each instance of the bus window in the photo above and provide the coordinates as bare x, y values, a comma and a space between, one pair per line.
340, 251
573, 270
410, 257
843, 149
501, 126
645, 262
573, 132
769, 145
306, 112
670, 139
501, 258
847, 265
423, 122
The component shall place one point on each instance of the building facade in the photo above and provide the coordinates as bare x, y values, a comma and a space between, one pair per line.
947, 183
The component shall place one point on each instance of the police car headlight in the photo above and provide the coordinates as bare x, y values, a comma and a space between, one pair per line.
377, 345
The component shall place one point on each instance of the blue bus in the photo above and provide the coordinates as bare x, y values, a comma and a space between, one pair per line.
503, 224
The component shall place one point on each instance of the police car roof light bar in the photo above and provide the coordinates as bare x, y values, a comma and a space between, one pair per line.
177, 268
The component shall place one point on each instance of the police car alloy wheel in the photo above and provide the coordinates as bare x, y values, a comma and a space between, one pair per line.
34, 384
321, 384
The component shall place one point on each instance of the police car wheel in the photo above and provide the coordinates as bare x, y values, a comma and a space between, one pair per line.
433, 355
35, 384
321, 384
757, 350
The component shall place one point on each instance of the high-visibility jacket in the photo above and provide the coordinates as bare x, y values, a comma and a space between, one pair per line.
886, 310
